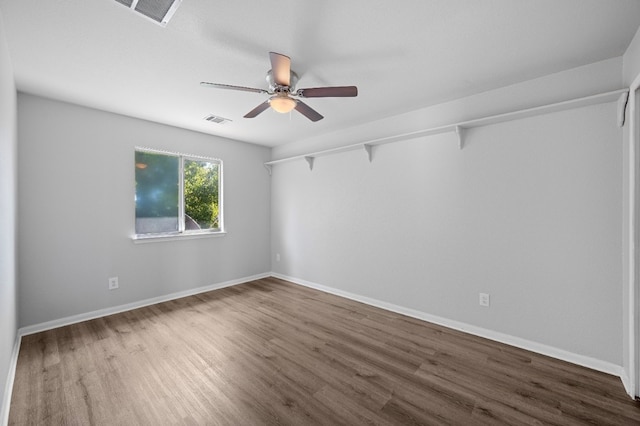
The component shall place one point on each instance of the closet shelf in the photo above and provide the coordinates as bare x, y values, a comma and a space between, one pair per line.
459, 127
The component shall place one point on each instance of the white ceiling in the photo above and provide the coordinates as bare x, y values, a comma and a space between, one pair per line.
402, 54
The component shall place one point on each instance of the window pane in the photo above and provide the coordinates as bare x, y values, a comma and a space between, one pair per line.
201, 206
157, 193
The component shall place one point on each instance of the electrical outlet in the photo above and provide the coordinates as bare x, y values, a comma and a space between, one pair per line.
113, 283
277, 257
484, 299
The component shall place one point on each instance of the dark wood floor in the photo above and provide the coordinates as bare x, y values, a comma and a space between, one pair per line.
271, 352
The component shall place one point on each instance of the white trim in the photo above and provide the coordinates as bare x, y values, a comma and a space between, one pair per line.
585, 361
154, 238
633, 384
177, 154
5, 404
626, 382
36, 328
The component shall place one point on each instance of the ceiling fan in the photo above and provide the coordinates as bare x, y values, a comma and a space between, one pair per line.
282, 89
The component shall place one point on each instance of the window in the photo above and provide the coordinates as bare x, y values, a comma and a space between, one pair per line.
177, 194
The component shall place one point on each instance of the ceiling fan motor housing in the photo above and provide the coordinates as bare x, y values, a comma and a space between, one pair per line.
276, 88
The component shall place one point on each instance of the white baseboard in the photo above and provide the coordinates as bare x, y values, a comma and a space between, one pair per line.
5, 404
585, 361
133, 305
628, 384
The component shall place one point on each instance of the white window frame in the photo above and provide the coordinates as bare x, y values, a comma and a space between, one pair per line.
183, 233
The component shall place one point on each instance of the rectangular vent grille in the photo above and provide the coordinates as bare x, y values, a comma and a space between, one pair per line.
215, 119
159, 11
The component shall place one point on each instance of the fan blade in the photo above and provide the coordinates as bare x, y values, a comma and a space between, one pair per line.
281, 68
308, 112
229, 87
257, 110
328, 92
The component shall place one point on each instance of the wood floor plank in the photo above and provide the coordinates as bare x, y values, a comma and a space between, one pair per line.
274, 353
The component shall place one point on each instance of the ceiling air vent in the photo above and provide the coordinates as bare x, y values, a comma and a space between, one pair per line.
159, 11
215, 119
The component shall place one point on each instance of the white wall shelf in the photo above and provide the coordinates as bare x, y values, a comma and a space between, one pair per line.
460, 127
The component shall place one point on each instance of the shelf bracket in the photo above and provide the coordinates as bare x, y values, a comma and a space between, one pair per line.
310, 162
269, 168
459, 132
369, 149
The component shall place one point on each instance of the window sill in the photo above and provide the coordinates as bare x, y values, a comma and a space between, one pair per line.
143, 239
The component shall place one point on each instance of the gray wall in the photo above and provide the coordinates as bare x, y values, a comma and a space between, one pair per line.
8, 202
529, 211
76, 209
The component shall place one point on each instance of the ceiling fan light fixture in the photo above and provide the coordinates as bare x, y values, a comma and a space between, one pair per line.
282, 104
